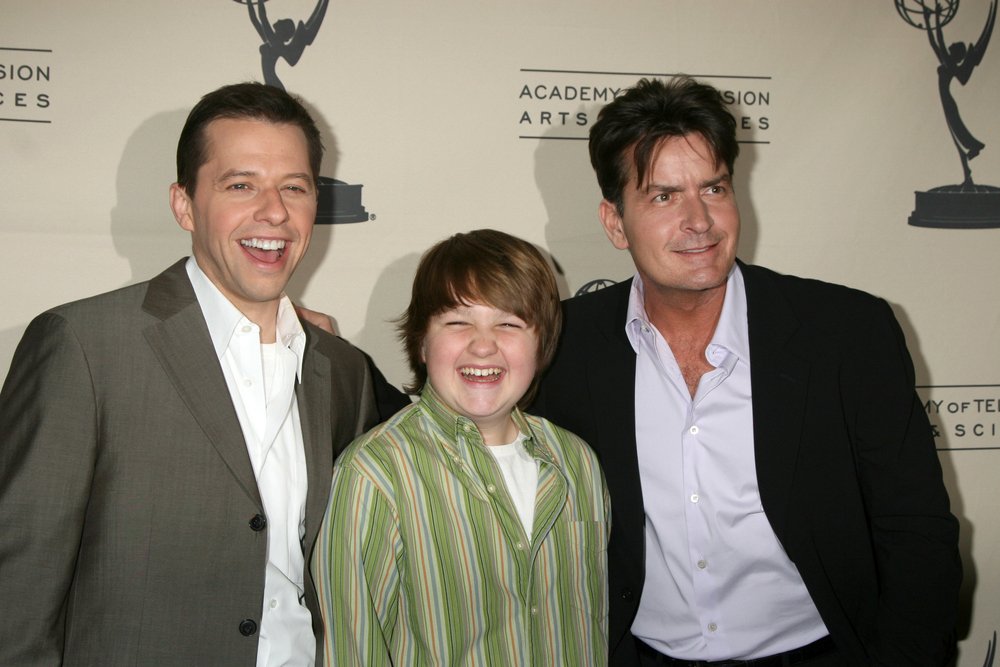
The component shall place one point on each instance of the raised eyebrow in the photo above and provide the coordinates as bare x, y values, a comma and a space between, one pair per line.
718, 180
660, 188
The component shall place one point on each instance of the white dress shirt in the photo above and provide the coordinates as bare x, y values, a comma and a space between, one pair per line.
261, 380
718, 584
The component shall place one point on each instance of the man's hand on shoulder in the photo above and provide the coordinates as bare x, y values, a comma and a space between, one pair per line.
318, 319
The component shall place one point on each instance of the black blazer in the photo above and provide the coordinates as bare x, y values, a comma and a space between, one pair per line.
848, 474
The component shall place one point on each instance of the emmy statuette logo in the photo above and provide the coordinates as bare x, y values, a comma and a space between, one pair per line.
594, 286
991, 651
286, 39
967, 205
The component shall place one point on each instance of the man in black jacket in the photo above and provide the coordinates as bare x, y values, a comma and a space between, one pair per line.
776, 494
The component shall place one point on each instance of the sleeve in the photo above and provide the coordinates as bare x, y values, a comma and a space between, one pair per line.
914, 534
607, 508
354, 566
388, 399
48, 422
606, 500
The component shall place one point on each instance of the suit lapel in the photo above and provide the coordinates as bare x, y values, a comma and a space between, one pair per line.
182, 344
612, 377
314, 402
779, 374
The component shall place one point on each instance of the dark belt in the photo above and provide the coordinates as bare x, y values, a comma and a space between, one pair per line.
793, 657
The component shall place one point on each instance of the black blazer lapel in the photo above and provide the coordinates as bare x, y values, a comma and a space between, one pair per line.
779, 374
611, 376
181, 342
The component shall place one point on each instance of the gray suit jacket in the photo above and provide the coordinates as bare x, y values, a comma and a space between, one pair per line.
131, 527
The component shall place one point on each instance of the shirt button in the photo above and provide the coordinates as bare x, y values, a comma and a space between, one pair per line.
520, 546
246, 328
702, 564
273, 604
694, 497
491, 488
693, 430
534, 611
467, 428
247, 382
712, 627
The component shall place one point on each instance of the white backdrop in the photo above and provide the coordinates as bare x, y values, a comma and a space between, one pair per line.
456, 115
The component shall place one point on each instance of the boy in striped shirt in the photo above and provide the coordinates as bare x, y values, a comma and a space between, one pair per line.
463, 531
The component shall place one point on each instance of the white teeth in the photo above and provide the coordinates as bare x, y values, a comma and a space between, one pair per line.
264, 244
480, 372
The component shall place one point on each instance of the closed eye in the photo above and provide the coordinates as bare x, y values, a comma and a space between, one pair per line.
513, 322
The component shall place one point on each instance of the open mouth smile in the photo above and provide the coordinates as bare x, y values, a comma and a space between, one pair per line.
481, 374
265, 250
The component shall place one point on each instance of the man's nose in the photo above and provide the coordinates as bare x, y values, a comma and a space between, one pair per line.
697, 217
272, 207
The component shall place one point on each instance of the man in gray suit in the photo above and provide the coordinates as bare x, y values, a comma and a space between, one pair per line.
165, 449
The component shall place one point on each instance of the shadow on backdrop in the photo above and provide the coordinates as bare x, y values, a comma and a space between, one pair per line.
569, 191
389, 298
143, 229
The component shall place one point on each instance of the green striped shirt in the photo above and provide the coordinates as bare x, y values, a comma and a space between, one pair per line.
422, 558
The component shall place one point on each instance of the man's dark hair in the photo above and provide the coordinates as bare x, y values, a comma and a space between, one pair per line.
241, 101
630, 129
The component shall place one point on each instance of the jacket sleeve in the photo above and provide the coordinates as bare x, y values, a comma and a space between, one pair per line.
48, 426
914, 535
388, 399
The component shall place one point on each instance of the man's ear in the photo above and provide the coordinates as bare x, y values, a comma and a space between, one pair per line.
612, 223
180, 204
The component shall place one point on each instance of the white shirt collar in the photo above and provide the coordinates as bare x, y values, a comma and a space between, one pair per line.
223, 317
731, 333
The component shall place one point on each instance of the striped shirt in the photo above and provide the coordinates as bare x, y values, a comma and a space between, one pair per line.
422, 558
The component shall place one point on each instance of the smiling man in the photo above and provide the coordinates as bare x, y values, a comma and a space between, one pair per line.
167, 447
776, 496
